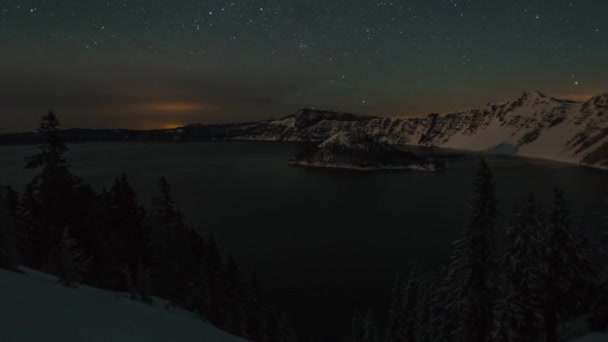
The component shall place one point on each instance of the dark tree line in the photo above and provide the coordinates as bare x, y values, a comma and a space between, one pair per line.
547, 274
60, 225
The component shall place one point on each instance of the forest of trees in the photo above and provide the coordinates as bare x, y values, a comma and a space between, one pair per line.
527, 284
107, 239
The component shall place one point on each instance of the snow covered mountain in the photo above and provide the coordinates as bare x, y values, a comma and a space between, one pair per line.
36, 308
360, 151
534, 125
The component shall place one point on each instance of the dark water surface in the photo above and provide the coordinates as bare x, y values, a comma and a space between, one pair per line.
323, 242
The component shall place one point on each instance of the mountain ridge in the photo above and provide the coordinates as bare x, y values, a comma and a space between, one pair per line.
533, 125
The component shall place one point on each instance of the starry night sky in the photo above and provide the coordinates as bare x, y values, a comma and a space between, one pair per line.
152, 63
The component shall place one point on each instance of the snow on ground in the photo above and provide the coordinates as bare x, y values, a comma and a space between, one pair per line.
33, 307
595, 337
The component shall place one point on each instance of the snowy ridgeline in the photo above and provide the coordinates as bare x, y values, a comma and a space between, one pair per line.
534, 125
33, 307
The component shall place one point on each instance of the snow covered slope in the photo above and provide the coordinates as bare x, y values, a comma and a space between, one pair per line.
534, 125
34, 308
594, 337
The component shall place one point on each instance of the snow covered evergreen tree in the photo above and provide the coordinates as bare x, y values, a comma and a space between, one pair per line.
566, 268
285, 332
356, 327
508, 317
470, 274
370, 329
441, 325
428, 289
394, 326
364, 328
68, 262
518, 312
411, 309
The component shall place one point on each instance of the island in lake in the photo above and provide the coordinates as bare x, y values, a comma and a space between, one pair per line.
360, 151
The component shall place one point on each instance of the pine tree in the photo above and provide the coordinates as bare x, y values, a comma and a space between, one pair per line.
411, 308
566, 269
404, 314
509, 315
50, 196
188, 269
357, 333
214, 269
598, 320
442, 317
144, 283
370, 330
127, 219
11, 201
69, 262
471, 266
428, 287
52, 155
213, 256
285, 331
28, 230
166, 241
364, 328
394, 327
518, 313
235, 297
129, 281
202, 292
8, 236
255, 314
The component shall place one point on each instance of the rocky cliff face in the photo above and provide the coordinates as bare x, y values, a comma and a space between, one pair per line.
534, 125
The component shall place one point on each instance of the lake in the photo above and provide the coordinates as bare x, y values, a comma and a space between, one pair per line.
324, 242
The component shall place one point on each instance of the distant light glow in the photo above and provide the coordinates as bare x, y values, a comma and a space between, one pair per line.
577, 97
175, 107
170, 126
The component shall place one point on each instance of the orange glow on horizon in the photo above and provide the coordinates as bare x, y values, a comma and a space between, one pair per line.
175, 107
576, 97
170, 126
